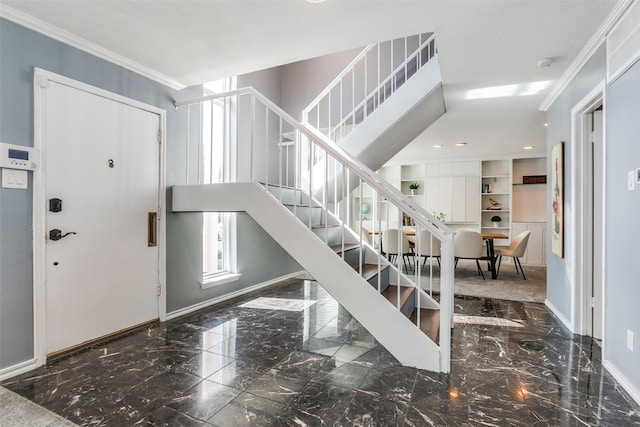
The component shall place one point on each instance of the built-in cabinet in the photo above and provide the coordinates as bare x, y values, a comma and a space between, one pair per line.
536, 248
496, 197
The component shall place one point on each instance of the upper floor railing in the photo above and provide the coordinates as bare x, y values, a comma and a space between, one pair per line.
366, 83
331, 178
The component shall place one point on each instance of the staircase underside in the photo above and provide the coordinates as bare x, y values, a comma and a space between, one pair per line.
400, 119
388, 325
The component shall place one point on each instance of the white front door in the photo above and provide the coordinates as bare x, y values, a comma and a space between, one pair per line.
102, 160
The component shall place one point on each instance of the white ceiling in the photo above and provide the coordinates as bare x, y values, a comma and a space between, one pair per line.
481, 44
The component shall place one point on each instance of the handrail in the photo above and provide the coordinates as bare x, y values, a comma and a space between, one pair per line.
359, 168
346, 173
385, 79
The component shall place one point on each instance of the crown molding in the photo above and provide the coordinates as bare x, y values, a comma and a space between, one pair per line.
586, 53
70, 39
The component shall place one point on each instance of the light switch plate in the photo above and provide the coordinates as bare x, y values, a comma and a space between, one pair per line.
631, 180
630, 340
14, 178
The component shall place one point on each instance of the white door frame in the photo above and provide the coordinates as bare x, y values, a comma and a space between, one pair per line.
577, 220
41, 82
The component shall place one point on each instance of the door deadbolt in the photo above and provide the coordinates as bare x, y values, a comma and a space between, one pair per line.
56, 234
55, 205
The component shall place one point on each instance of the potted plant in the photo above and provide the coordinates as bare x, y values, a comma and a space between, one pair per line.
413, 187
496, 220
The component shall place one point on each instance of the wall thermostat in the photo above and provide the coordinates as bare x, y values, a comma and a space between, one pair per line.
17, 157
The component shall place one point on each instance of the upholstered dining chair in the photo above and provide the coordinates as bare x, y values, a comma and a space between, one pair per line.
427, 246
515, 250
392, 249
366, 236
468, 244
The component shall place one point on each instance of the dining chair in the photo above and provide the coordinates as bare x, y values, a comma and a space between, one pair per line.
366, 236
515, 250
468, 244
427, 246
392, 249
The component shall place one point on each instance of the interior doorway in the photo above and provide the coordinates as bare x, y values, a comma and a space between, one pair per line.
588, 217
99, 269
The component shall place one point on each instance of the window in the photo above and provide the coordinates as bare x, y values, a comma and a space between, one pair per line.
217, 227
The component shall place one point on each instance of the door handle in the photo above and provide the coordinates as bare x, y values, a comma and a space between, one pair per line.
56, 234
152, 229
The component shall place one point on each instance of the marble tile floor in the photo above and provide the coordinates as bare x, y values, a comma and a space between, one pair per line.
233, 366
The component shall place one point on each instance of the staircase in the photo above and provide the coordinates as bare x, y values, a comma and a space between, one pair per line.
313, 227
389, 94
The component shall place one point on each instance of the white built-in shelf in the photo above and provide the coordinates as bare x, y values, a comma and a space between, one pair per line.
497, 211
495, 176
496, 228
495, 194
533, 183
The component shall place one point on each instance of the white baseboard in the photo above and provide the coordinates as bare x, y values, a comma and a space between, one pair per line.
559, 315
19, 368
204, 304
624, 382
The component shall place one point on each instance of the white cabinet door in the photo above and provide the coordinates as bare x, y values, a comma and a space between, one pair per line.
472, 199
444, 197
458, 199
535, 253
432, 196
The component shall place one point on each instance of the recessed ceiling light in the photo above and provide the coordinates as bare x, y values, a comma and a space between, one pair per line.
316, 1
438, 146
545, 62
528, 147
460, 144
546, 124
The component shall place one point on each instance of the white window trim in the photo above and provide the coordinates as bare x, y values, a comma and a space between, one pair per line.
211, 280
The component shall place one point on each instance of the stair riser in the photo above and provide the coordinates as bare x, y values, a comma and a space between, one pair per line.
384, 280
302, 213
410, 305
288, 196
352, 257
334, 235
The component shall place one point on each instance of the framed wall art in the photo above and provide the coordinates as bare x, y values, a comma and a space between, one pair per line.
557, 202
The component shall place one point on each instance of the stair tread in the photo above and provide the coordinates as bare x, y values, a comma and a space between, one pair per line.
370, 270
391, 294
429, 322
347, 247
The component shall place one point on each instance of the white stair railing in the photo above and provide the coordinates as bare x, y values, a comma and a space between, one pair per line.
366, 83
260, 124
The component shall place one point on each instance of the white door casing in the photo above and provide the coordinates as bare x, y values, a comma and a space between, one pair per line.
106, 277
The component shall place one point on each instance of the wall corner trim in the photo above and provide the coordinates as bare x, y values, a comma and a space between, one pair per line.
558, 314
70, 39
18, 368
623, 380
598, 38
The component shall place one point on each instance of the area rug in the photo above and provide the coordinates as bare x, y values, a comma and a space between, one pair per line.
16, 411
508, 286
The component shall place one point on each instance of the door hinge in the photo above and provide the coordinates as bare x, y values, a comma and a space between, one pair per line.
159, 213
159, 137
159, 289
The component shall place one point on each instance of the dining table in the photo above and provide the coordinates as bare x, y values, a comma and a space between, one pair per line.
491, 252
410, 232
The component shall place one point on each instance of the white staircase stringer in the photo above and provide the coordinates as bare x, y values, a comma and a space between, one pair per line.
388, 325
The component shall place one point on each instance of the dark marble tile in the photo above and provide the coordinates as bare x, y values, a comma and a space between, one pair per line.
203, 400
248, 410
301, 364
367, 409
277, 387
166, 417
226, 365
204, 364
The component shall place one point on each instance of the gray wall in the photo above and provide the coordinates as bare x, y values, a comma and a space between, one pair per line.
559, 129
622, 292
260, 258
304, 80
